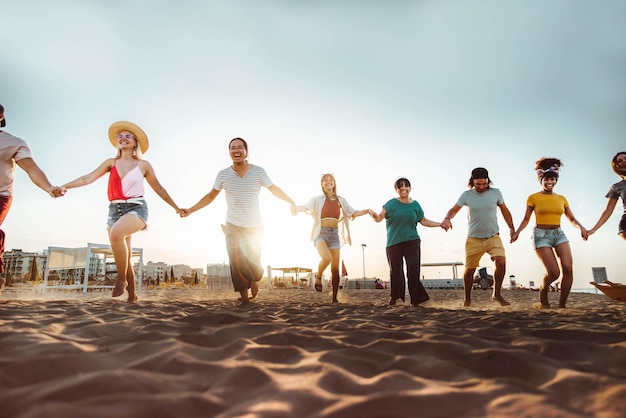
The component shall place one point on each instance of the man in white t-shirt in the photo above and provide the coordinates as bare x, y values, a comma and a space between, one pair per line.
14, 150
483, 236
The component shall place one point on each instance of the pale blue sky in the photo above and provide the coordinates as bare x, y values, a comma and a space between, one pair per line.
368, 90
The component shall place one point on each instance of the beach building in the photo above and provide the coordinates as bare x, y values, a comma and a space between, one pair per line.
445, 282
218, 277
23, 268
84, 268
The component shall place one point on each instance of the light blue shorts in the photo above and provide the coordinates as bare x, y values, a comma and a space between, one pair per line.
330, 236
548, 237
136, 206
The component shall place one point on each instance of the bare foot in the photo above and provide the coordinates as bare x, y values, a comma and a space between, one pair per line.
335, 301
244, 299
540, 305
501, 300
254, 288
467, 302
133, 298
120, 286
392, 301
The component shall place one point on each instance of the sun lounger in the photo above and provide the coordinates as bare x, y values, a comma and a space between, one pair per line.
615, 291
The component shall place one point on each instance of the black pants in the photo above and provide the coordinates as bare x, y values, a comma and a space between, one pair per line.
410, 252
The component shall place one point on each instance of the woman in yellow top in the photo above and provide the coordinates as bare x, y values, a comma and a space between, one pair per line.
548, 238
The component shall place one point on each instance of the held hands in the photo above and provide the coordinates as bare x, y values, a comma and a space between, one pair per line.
183, 213
446, 224
584, 233
57, 191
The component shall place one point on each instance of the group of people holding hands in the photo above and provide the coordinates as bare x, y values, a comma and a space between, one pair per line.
242, 181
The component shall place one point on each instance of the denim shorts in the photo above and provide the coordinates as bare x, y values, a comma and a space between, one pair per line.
330, 236
136, 206
548, 237
622, 225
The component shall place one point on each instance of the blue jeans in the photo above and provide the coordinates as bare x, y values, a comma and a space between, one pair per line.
138, 207
331, 236
548, 237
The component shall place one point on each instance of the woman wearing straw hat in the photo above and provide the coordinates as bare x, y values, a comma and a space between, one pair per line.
128, 211
548, 238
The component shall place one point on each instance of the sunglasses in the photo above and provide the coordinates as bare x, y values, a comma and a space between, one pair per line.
125, 136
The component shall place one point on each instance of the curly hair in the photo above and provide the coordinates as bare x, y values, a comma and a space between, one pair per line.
619, 171
548, 167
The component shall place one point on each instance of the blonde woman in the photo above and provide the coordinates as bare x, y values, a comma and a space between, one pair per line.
331, 229
128, 210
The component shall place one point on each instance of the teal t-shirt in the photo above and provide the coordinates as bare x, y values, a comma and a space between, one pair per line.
402, 219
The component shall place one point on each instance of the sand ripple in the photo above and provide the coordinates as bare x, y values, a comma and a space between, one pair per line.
292, 354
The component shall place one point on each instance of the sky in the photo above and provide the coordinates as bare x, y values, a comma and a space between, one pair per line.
368, 90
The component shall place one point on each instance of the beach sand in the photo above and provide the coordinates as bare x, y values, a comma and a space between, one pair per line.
195, 353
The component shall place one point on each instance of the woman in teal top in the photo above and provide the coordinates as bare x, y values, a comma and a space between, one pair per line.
402, 215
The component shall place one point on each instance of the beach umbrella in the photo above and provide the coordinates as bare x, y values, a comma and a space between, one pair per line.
33, 272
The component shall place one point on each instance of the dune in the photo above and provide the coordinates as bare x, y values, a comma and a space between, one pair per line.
197, 353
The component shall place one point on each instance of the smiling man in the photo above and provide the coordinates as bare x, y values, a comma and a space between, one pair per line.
483, 236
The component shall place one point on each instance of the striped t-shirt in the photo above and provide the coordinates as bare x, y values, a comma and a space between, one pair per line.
242, 195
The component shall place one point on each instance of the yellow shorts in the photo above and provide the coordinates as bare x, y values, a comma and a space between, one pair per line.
475, 248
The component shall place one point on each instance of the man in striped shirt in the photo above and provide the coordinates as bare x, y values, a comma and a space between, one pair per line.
242, 182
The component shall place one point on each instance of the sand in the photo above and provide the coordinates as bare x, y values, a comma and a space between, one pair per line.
195, 353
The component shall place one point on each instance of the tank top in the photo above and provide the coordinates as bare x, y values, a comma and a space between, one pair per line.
128, 187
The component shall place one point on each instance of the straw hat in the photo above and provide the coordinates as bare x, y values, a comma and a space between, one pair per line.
122, 125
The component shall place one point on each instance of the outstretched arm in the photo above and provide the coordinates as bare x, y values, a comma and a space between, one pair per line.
570, 215
205, 201
508, 218
523, 224
361, 212
157, 187
431, 224
279, 193
102, 169
610, 206
380, 216
38, 177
